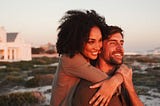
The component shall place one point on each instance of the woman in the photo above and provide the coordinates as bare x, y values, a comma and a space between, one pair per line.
79, 41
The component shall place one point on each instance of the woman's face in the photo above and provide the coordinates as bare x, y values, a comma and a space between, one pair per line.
93, 45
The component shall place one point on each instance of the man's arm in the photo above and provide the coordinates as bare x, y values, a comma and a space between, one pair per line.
133, 95
127, 77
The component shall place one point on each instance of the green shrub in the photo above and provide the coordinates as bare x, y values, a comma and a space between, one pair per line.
9, 69
12, 80
32, 83
20, 99
44, 60
43, 70
40, 80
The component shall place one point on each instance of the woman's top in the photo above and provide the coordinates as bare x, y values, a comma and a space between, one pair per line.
68, 74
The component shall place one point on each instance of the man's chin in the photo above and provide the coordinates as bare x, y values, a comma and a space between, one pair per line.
119, 62
114, 62
93, 58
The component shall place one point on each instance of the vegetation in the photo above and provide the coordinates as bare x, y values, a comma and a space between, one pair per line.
142, 58
17, 73
40, 72
42, 50
40, 80
21, 99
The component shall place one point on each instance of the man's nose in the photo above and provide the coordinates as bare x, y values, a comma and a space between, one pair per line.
119, 47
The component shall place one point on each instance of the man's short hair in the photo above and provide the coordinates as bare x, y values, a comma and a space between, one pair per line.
112, 30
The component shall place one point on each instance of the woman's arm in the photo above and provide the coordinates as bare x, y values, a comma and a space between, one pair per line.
106, 91
79, 67
112, 83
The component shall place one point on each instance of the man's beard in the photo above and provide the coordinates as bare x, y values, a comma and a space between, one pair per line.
113, 62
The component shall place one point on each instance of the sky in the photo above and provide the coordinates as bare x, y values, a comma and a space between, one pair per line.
37, 20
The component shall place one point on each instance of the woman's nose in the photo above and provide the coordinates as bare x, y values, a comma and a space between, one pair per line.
98, 46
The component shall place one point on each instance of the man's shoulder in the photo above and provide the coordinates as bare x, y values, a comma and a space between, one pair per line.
83, 93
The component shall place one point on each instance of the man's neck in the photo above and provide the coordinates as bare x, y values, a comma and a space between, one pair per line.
107, 68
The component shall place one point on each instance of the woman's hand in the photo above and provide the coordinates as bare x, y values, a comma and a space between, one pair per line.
126, 72
106, 91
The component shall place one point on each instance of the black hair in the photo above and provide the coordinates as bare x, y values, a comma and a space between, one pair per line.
75, 28
112, 30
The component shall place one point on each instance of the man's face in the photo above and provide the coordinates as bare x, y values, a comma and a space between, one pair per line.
112, 49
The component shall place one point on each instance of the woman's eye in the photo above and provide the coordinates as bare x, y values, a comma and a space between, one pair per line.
90, 42
100, 40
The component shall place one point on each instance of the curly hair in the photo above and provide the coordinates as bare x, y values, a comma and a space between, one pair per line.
75, 28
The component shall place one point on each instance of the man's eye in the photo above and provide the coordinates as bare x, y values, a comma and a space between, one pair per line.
122, 44
113, 43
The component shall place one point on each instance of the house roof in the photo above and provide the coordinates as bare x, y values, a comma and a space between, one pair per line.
11, 36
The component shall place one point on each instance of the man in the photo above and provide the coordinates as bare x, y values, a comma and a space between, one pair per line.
110, 58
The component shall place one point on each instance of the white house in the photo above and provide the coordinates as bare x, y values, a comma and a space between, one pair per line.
13, 47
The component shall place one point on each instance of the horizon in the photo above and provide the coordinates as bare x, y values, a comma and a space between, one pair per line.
37, 20
151, 51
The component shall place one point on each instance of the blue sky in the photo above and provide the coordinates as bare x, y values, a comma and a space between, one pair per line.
37, 20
